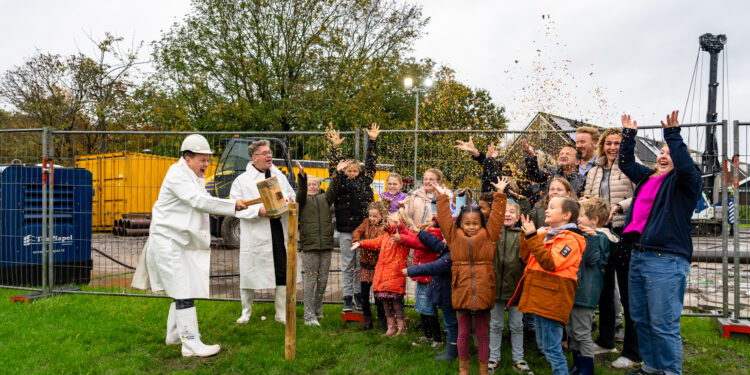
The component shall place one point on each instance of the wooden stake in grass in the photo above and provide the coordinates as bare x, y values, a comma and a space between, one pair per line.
290, 341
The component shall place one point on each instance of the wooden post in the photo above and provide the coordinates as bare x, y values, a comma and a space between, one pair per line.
290, 342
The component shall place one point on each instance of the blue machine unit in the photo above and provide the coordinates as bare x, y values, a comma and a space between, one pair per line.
21, 225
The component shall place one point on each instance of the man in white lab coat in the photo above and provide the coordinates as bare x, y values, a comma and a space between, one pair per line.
262, 239
178, 256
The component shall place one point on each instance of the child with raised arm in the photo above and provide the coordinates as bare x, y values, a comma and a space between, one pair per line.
388, 283
372, 227
423, 303
548, 286
440, 287
599, 243
350, 193
472, 244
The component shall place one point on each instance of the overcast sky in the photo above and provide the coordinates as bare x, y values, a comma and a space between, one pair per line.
589, 60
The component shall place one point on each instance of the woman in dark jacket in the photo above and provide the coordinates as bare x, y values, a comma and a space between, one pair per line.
658, 225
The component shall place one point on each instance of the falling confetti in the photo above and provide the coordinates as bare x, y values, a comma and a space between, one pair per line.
548, 83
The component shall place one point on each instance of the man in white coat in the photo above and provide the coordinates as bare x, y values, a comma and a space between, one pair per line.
178, 256
262, 239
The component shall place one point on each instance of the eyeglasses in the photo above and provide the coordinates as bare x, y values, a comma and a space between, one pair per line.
264, 153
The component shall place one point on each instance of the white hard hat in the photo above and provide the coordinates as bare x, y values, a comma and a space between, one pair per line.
196, 144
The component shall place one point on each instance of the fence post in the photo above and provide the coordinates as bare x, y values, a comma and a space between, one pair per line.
45, 290
736, 224
51, 216
356, 143
724, 228
290, 336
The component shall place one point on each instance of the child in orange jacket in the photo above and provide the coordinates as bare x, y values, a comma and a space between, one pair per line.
548, 286
389, 284
372, 227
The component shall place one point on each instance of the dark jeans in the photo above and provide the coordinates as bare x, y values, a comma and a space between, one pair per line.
451, 325
618, 266
366, 310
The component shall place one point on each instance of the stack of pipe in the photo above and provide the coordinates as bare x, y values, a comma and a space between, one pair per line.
132, 225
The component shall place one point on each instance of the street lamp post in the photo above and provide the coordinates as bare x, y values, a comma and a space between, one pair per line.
409, 84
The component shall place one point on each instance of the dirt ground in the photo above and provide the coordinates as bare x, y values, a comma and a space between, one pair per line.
704, 287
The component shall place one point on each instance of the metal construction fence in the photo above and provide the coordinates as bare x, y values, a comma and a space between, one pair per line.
94, 219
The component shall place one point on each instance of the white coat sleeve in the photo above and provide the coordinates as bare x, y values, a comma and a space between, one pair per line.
239, 192
198, 198
289, 192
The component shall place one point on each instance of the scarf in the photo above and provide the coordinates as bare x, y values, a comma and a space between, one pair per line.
555, 231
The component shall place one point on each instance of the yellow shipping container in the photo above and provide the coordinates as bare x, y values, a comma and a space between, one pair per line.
124, 183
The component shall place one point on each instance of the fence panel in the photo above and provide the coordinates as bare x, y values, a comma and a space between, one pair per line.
22, 233
740, 216
127, 168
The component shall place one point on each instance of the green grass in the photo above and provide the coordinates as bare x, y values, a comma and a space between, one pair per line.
102, 334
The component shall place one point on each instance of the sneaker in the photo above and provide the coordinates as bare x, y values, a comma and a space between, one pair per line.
492, 366
436, 344
347, 304
637, 372
623, 363
522, 366
620, 335
312, 322
420, 341
599, 350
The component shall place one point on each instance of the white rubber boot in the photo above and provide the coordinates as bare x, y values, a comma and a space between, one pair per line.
173, 334
187, 323
246, 298
280, 303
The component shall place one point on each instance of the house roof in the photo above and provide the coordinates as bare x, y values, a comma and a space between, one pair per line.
646, 149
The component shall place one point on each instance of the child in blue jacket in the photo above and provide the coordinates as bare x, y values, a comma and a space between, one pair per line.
600, 242
440, 291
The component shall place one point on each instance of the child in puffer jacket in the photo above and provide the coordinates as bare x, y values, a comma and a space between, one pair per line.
599, 243
372, 227
472, 244
350, 193
389, 284
548, 286
440, 287
423, 303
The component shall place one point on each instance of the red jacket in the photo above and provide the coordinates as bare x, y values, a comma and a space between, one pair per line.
392, 259
422, 255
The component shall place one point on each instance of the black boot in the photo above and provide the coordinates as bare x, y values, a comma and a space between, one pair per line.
576, 369
347, 304
357, 301
586, 365
435, 328
366, 323
451, 352
382, 323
